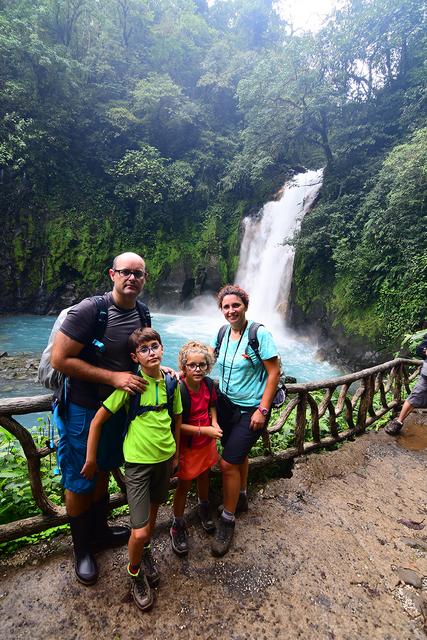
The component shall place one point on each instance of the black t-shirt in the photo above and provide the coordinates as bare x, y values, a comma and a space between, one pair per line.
79, 325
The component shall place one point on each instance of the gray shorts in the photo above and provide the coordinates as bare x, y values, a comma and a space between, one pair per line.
418, 397
146, 484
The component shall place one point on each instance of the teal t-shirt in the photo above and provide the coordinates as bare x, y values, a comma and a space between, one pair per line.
242, 376
149, 438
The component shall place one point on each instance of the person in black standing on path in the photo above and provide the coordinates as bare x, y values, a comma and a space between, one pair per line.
93, 372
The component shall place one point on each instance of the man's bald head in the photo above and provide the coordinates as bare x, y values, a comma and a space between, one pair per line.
125, 257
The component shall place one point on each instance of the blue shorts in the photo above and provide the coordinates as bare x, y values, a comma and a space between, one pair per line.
73, 431
238, 438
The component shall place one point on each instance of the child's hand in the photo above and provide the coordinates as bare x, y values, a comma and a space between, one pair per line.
89, 470
216, 431
175, 466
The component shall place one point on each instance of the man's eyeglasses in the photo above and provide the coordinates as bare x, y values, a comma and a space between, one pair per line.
145, 349
193, 366
127, 273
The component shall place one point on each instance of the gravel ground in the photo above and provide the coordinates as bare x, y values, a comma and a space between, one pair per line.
334, 552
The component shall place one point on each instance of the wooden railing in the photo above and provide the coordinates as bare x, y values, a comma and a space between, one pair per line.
344, 406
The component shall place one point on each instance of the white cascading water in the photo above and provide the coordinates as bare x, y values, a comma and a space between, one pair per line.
267, 254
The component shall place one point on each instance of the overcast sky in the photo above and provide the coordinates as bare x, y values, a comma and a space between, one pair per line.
306, 14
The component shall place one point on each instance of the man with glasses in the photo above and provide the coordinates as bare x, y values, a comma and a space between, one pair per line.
94, 369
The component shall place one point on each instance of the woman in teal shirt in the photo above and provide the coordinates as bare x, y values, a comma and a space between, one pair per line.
247, 385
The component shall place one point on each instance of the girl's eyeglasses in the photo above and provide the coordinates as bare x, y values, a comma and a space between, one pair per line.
193, 366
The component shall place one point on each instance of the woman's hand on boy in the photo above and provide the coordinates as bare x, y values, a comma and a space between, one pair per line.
216, 431
88, 470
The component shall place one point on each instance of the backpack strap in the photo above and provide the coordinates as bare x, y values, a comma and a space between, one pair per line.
219, 339
144, 313
253, 343
101, 319
186, 401
171, 384
135, 408
210, 385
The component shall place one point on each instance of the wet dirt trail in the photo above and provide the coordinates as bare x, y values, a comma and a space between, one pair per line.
338, 551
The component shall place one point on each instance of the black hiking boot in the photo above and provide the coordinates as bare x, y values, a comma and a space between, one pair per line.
393, 427
103, 536
179, 538
149, 566
223, 537
205, 515
140, 591
84, 562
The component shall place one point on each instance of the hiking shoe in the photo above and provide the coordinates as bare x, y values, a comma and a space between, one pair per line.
206, 519
179, 539
223, 537
242, 504
141, 592
393, 427
150, 569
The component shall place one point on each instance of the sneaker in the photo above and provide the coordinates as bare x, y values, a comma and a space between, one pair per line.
393, 427
179, 538
223, 537
242, 504
141, 592
150, 569
206, 519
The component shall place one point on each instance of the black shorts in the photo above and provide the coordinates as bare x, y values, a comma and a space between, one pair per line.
238, 438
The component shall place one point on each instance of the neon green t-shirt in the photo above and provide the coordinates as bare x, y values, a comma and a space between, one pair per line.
149, 438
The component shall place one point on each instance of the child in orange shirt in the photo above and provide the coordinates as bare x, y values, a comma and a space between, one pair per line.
199, 431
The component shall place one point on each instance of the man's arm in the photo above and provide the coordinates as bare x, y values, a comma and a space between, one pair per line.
65, 358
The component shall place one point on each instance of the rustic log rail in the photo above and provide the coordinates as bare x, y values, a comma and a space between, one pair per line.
346, 406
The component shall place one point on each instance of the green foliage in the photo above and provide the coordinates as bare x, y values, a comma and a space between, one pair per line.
15, 492
156, 126
411, 341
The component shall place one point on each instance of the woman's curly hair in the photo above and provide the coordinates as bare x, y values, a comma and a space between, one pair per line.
195, 347
232, 290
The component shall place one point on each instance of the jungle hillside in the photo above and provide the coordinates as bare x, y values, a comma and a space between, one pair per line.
156, 125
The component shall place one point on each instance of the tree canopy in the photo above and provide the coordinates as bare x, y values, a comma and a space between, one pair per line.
150, 123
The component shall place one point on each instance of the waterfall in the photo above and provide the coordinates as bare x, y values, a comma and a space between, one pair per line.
267, 255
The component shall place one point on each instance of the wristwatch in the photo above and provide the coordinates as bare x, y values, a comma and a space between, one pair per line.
263, 410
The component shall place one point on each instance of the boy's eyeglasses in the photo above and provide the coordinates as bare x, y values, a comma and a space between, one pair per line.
147, 348
127, 273
193, 366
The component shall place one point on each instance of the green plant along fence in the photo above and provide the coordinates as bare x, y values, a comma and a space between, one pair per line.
315, 415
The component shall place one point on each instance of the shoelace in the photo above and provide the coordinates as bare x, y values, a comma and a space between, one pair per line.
141, 585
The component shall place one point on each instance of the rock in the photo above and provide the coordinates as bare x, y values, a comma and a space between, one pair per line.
416, 543
408, 576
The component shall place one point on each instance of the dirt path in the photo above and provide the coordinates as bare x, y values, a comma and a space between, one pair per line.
317, 556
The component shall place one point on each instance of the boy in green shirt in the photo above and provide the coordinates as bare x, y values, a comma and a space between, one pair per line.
151, 454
